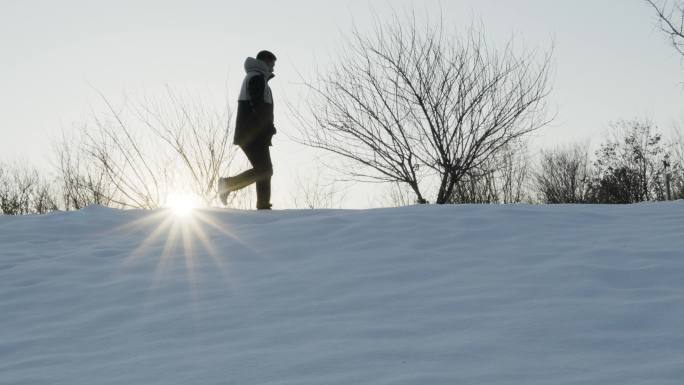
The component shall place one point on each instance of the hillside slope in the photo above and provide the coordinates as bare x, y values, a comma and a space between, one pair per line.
415, 295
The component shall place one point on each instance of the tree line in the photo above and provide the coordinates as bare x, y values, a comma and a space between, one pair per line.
635, 163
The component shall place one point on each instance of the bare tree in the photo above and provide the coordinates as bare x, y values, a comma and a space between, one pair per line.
511, 166
137, 155
44, 198
198, 136
81, 182
564, 175
671, 18
399, 194
675, 164
129, 160
15, 190
412, 102
501, 179
24, 191
476, 187
315, 191
631, 166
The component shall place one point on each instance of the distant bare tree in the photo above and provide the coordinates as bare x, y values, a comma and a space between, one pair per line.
133, 165
15, 190
315, 192
630, 167
675, 165
478, 186
400, 195
502, 179
24, 191
44, 198
564, 175
197, 135
671, 18
411, 102
81, 183
136, 155
513, 171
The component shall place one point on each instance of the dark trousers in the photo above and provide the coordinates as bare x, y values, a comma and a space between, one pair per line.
260, 157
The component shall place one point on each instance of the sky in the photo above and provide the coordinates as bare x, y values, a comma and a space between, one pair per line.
610, 61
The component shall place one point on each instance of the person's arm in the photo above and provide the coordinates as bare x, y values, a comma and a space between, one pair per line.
256, 88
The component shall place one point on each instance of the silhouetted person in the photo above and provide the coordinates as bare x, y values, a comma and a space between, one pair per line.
254, 129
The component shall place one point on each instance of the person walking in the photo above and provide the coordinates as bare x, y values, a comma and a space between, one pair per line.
254, 129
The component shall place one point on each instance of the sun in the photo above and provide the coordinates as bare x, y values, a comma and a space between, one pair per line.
181, 205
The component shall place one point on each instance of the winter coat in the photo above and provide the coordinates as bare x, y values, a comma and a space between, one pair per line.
255, 105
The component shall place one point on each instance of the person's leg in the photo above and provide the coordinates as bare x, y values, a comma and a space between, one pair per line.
263, 184
260, 157
261, 167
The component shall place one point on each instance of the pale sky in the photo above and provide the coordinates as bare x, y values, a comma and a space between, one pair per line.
611, 61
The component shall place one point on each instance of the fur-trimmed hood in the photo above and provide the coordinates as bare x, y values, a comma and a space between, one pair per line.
256, 65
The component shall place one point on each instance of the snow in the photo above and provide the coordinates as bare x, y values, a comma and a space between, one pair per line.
423, 295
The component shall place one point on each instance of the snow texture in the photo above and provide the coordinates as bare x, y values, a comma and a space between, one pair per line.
500, 294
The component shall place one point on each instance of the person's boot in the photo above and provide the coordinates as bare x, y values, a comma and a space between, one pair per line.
262, 206
263, 190
224, 190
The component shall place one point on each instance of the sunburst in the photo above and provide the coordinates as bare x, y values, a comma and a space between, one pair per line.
181, 232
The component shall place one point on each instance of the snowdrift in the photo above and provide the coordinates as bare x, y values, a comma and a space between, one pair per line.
415, 295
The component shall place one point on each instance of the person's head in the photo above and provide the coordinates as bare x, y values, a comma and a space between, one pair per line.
267, 57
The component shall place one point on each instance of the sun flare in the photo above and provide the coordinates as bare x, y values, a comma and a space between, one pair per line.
181, 205
185, 234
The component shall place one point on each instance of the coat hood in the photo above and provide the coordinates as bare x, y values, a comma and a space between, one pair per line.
255, 65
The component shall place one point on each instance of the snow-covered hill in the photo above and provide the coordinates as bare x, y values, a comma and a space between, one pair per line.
416, 295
